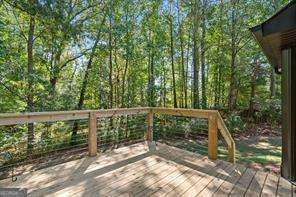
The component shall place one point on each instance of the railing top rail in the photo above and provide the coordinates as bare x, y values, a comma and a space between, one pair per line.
22, 118
196, 113
224, 131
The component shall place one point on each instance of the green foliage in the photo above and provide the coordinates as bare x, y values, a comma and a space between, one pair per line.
97, 54
235, 123
270, 111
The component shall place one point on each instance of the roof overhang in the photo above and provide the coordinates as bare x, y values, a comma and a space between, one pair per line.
277, 33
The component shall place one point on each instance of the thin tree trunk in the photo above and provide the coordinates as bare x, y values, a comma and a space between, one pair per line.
84, 83
164, 83
172, 62
110, 65
123, 82
183, 80
117, 82
172, 54
203, 58
232, 89
253, 88
186, 72
195, 59
220, 52
30, 93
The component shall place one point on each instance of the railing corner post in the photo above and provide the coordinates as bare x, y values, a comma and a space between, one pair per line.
92, 135
149, 120
212, 136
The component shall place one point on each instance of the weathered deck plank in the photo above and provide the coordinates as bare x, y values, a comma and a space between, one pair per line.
285, 188
211, 188
226, 187
136, 171
243, 183
256, 185
179, 186
202, 183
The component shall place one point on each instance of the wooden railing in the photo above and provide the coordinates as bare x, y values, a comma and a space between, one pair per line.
215, 123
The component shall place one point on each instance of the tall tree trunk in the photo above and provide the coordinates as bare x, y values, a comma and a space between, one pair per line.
30, 65
123, 82
85, 82
117, 80
164, 84
220, 52
172, 62
183, 80
186, 71
233, 89
203, 58
195, 58
110, 64
151, 81
253, 88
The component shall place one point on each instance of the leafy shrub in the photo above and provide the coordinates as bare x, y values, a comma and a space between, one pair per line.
234, 123
270, 112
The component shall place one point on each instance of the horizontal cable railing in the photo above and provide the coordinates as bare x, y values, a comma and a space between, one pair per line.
216, 129
75, 132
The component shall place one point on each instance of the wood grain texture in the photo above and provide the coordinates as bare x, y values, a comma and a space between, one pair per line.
213, 137
92, 135
215, 122
135, 171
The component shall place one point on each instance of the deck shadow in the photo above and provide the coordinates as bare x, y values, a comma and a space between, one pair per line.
79, 176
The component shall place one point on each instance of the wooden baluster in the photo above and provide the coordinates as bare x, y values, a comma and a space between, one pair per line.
149, 120
212, 136
231, 153
92, 135
149, 137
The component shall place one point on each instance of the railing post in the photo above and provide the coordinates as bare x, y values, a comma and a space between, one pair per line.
149, 120
212, 136
231, 153
92, 135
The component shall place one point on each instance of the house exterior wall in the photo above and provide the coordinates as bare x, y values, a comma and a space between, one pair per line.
289, 113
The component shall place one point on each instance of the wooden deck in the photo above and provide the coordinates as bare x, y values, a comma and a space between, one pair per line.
136, 171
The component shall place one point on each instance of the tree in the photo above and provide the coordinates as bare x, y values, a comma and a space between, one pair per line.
30, 60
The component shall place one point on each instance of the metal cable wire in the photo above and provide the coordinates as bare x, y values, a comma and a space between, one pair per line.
52, 139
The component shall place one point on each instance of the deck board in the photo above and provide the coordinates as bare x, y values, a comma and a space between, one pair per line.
136, 171
256, 185
284, 188
211, 188
243, 183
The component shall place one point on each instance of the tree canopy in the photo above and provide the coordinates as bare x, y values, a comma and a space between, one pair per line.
63, 55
